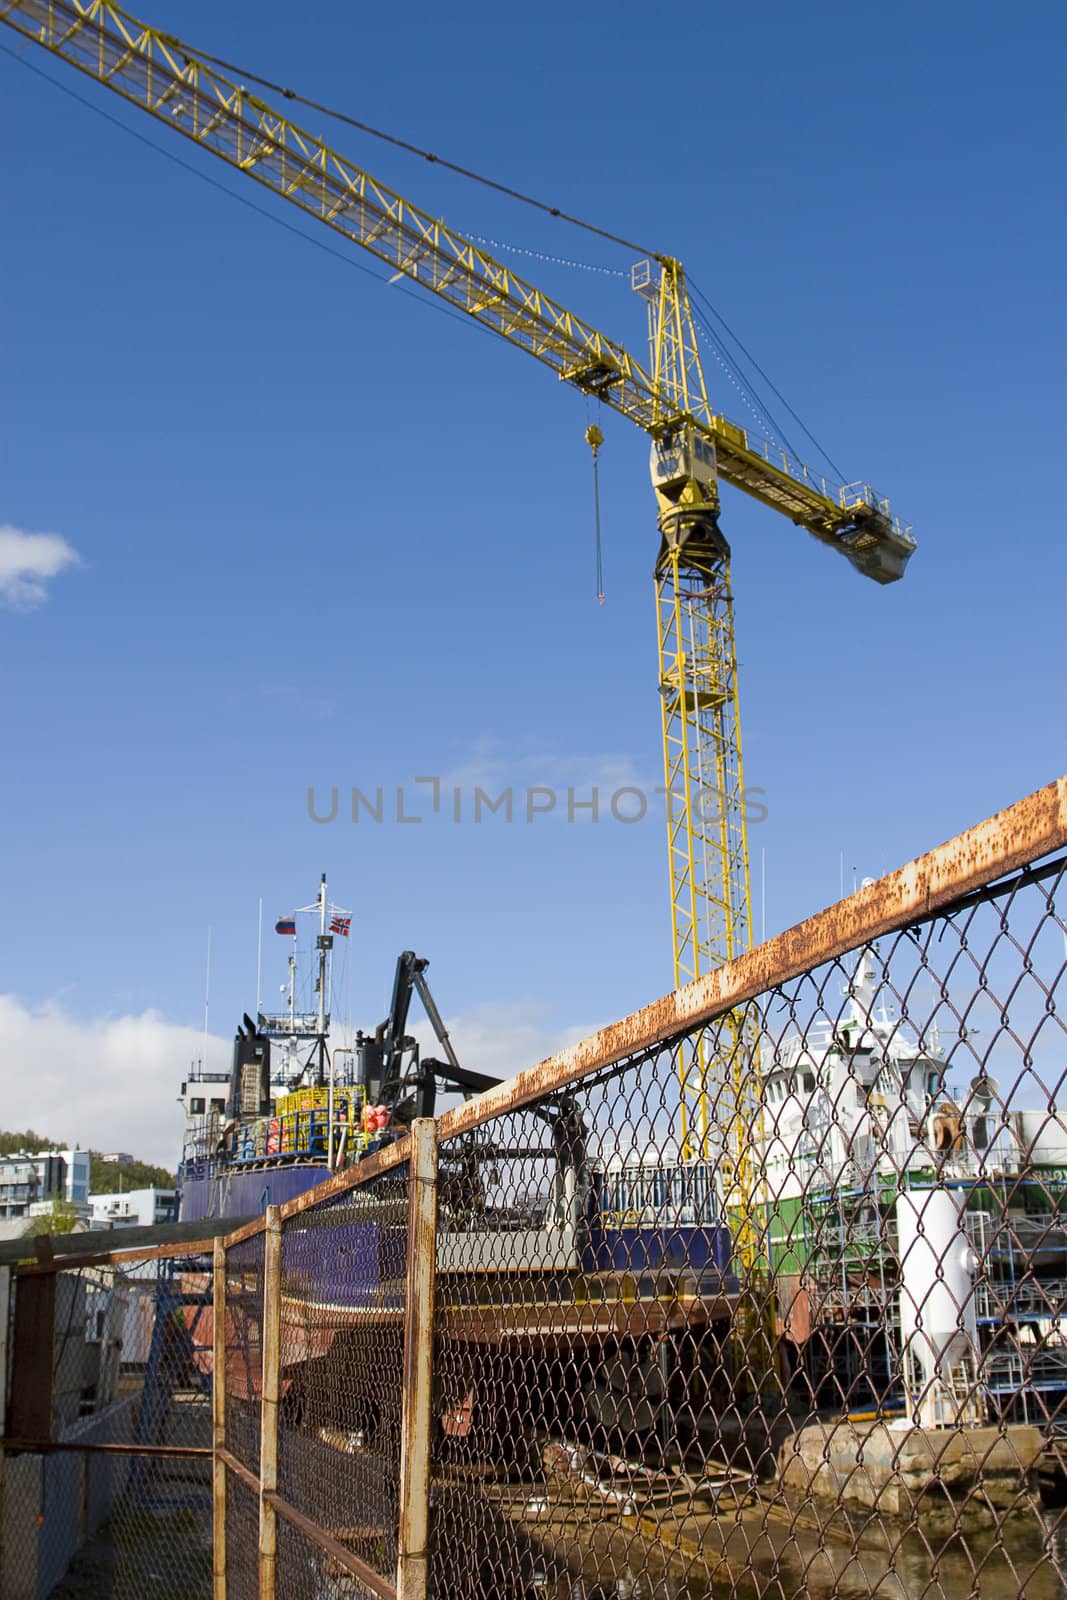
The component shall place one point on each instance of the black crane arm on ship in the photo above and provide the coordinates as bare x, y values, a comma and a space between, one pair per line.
385, 1076
382, 1067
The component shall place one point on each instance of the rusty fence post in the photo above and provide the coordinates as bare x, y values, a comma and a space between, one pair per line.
34, 1357
5, 1317
218, 1421
412, 1567
270, 1388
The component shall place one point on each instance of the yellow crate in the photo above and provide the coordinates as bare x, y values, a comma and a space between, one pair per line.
351, 1100
299, 1100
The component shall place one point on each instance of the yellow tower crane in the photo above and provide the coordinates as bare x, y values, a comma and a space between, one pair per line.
693, 448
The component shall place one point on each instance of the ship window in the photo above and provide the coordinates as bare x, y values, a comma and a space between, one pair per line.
933, 1083
218, 1105
196, 1107
809, 1082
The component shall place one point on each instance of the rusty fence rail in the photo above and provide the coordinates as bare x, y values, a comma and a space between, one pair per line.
758, 1291
761, 1291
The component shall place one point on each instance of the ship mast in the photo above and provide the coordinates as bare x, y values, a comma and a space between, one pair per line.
298, 1028
323, 943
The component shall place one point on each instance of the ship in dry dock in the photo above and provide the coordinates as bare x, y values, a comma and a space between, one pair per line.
914, 1226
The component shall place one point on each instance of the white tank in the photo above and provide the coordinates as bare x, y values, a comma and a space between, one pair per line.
937, 1310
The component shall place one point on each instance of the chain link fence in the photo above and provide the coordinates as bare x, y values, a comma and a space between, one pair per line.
105, 1487
760, 1292
757, 1293
343, 1278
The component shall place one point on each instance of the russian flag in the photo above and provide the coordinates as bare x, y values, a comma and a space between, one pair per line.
286, 925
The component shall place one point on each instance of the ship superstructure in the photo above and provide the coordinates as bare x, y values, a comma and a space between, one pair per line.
289, 1110
912, 1224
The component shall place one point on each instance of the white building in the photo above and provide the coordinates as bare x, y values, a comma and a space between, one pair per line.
30, 1184
133, 1208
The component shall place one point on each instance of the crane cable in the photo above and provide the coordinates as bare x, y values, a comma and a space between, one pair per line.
594, 438
404, 144
476, 177
512, 194
723, 323
243, 199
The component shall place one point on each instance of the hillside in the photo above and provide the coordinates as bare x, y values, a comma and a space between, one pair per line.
105, 1177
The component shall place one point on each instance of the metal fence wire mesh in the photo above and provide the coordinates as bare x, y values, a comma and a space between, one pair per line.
115, 1500
241, 1540
767, 1305
342, 1357
771, 1307
775, 1307
243, 1339
307, 1572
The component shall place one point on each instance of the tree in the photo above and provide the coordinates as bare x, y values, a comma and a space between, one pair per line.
59, 1219
108, 1177
12, 1143
105, 1177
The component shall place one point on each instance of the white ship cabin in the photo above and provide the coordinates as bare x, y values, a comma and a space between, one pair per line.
203, 1099
865, 1094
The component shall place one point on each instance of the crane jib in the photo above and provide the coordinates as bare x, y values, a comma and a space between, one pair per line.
155, 71
719, 1078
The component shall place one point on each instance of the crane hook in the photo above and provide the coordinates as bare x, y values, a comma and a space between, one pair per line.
594, 439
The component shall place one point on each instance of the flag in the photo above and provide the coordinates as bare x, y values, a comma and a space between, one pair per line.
286, 925
340, 925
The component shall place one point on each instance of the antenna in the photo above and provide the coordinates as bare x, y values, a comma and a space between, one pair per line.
207, 998
259, 959
323, 947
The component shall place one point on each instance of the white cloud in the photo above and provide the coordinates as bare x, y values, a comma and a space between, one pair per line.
501, 1040
27, 560
493, 767
108, 1083
111, 1083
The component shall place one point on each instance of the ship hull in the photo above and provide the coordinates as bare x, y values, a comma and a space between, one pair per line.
220, 1191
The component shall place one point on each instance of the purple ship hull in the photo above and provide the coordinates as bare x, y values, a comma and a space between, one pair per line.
211, 1189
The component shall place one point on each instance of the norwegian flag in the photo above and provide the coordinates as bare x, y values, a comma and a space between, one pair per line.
340, 925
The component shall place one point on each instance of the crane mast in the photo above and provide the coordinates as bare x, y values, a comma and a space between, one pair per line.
720, 1106
693, 448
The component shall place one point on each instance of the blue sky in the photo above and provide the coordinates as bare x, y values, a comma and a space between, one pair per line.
329, 536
